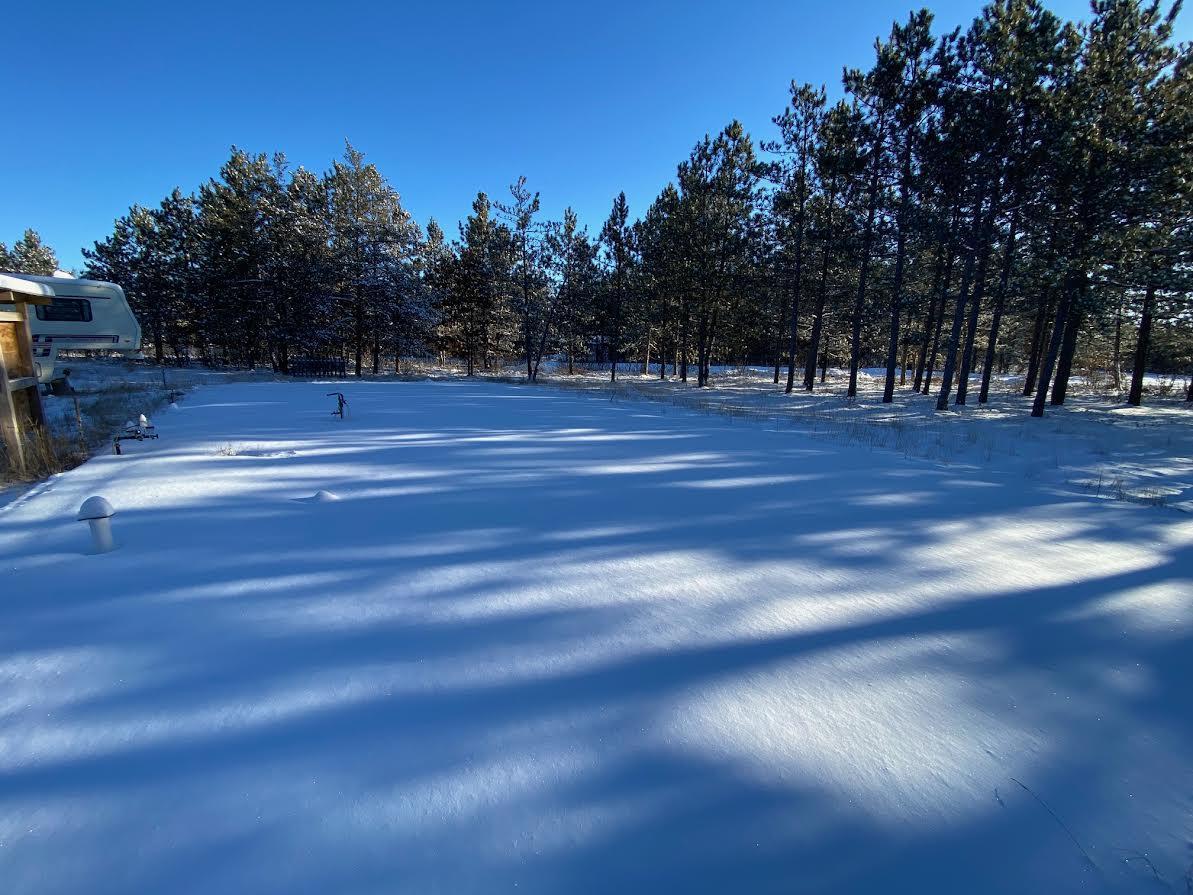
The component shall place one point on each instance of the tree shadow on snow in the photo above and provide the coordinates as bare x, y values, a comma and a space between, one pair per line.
551, 643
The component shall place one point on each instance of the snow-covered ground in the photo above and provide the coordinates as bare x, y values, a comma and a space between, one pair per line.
1094, 444
545, 641
106, 394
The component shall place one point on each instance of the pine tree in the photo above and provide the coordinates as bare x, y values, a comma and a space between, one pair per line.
1101, 112
838, 170
1021, 45
436, 267
301, 272
965, 169
799, 126
660, 246
136, 257
374, 242
474, 306
31, 255
618, 248
237, 212
873, 92
719, 188
911, 86
530, 299
572, 259
1159, 239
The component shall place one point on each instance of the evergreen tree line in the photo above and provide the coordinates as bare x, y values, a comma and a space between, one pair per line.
266, 262
29, 255
1013, 197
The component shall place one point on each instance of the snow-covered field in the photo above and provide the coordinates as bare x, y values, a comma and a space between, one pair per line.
545, 641
1094, 444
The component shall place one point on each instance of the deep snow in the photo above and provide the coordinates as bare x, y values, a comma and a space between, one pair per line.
547, 642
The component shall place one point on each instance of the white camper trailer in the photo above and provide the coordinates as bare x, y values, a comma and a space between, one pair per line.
84, 314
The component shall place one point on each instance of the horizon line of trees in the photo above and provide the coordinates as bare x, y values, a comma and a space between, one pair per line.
1011, 197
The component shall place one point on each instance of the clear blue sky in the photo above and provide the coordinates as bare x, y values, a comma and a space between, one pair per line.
446, 98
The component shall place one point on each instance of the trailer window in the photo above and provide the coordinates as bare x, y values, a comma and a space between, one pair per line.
65, 310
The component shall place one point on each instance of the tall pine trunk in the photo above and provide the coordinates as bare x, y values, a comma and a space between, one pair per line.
542, 346
930, 367
821, 299
796, 294
950, 359
794, 348
1000, 300
615, 336
705, 369
975, 303
1068, 349
888, 390
682, 346
358, 336
855, 340
779, 340
159, 346
1063, 342
646, 351
929, 319
1142, 343
1049, 360
1117, 352
903, 362
1037, 342
938, 326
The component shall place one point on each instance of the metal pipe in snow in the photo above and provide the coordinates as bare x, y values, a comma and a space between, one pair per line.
101, 535
98, 513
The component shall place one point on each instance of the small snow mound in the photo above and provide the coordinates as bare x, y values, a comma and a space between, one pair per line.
320, 496
174, 406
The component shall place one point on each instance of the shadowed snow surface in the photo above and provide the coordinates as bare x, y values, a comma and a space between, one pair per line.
544, 642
